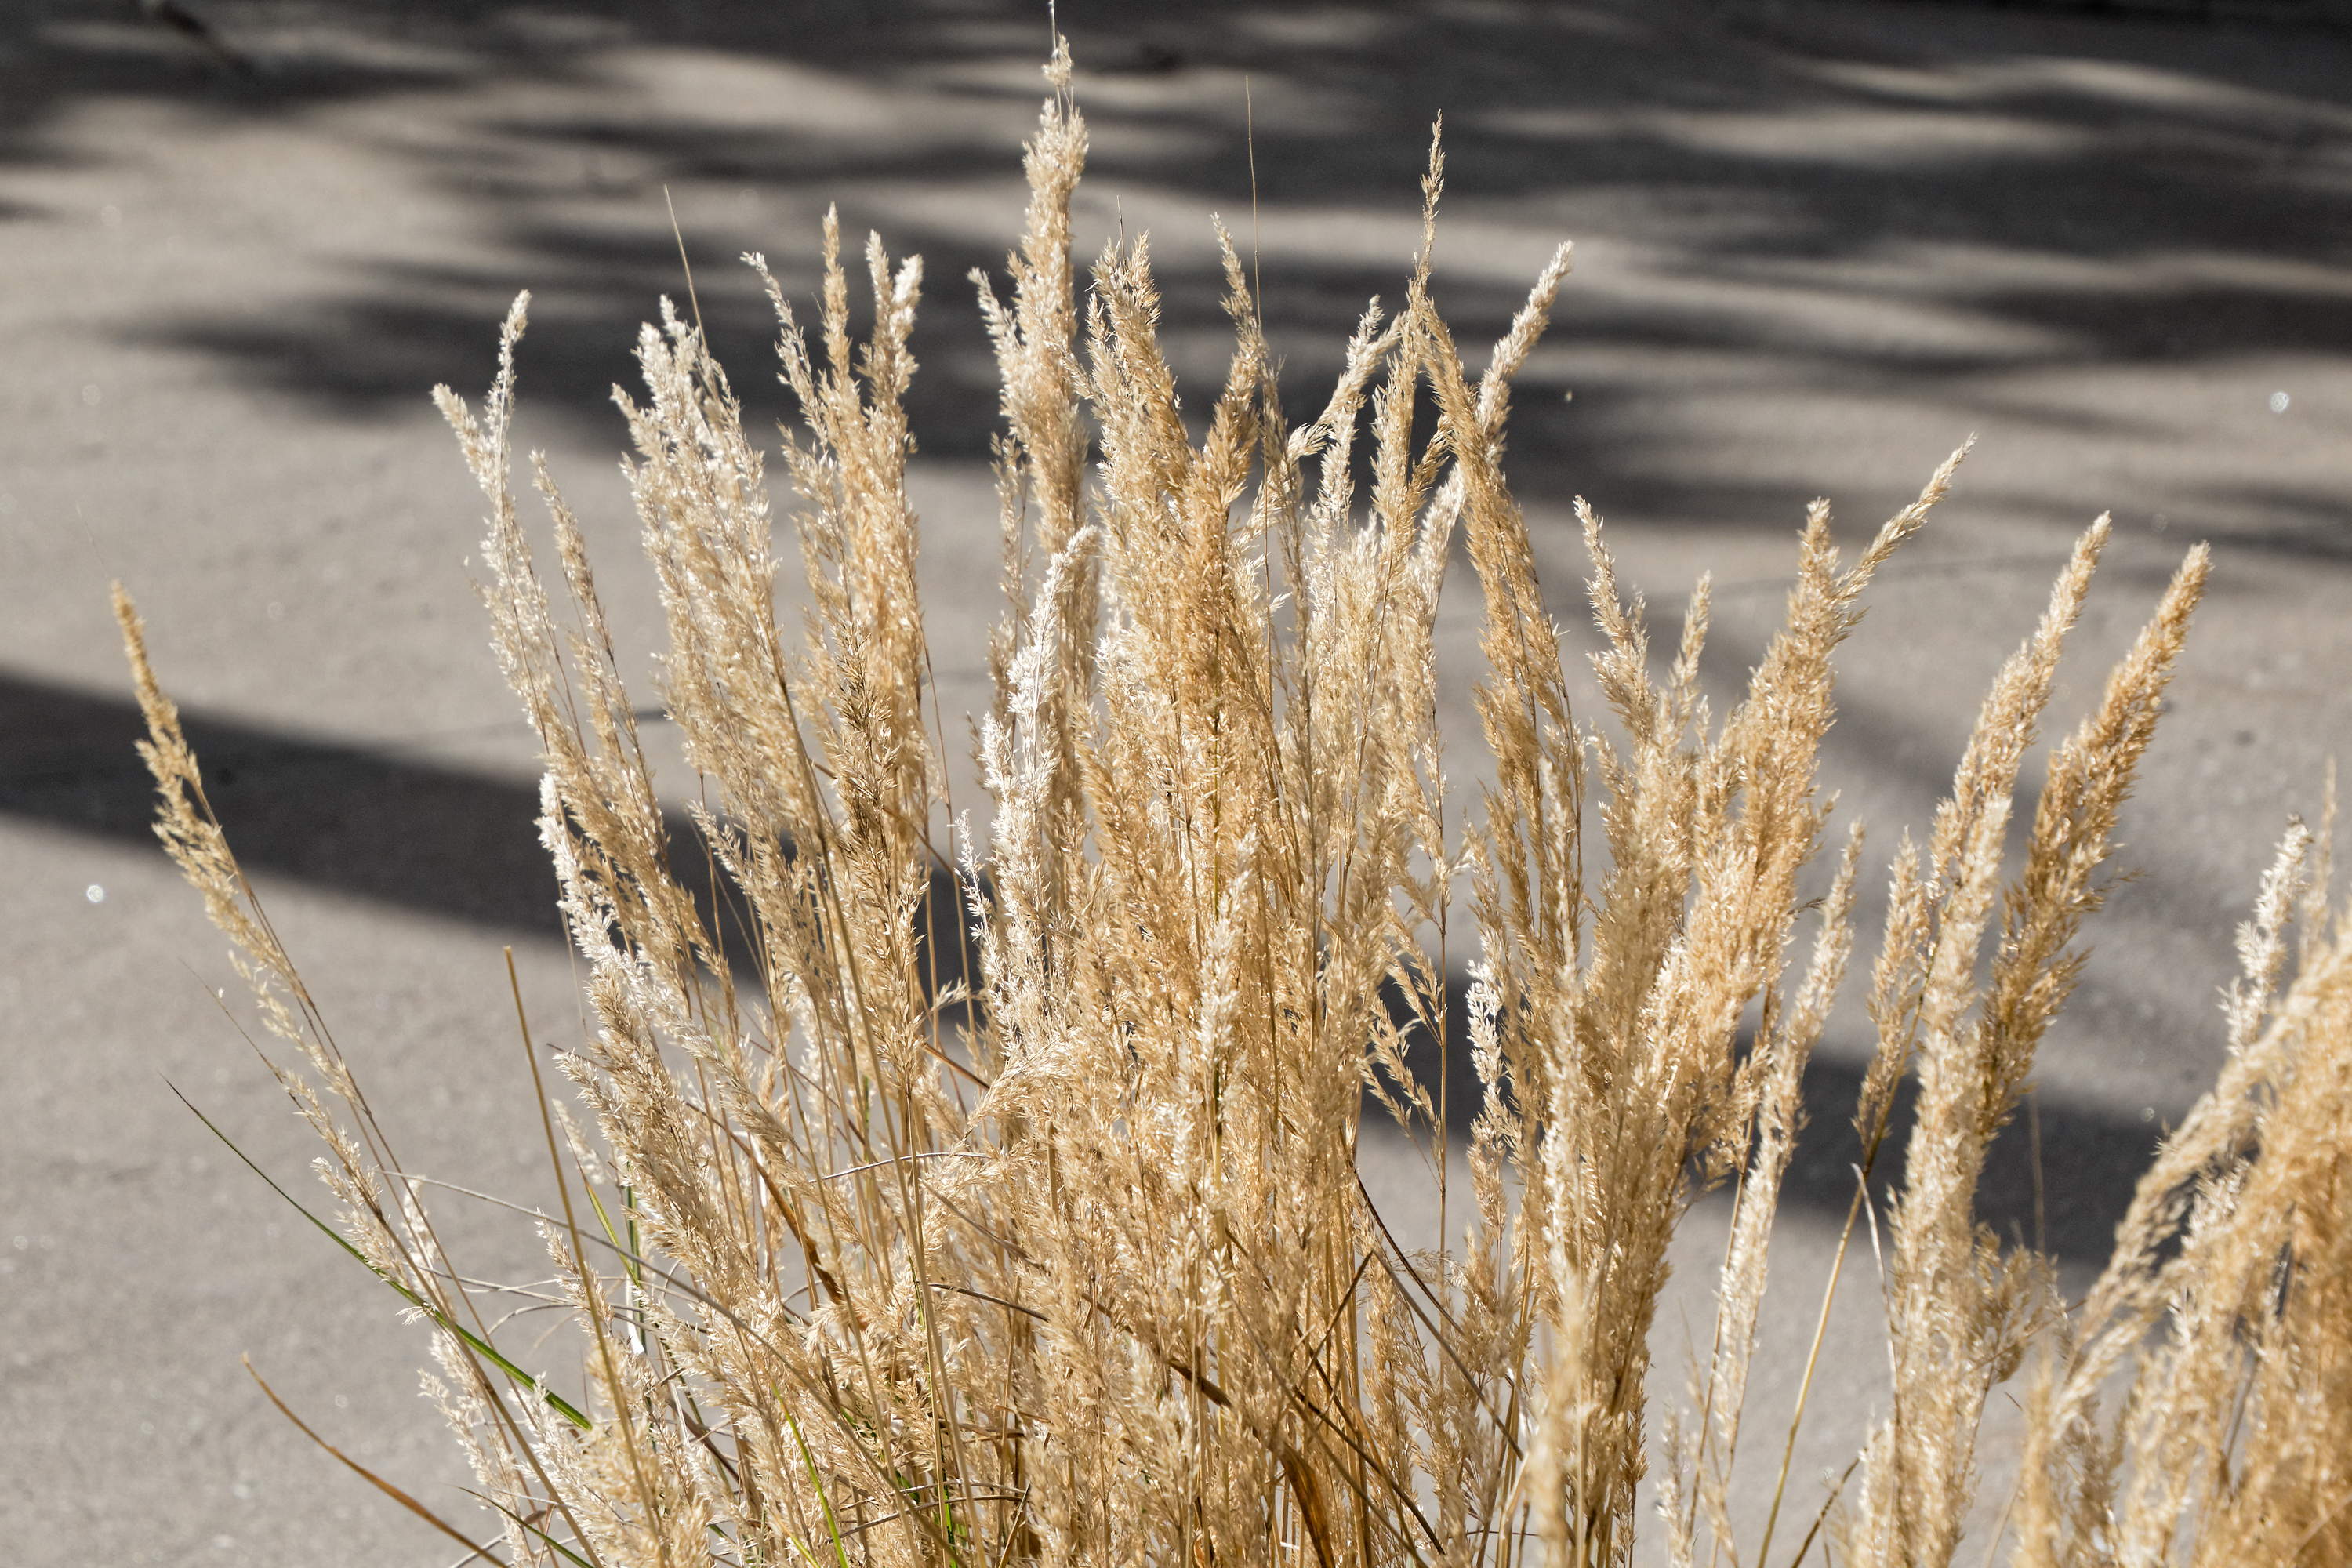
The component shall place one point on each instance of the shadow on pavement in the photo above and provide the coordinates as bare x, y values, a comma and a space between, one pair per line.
461, 845
355, 820
1963, 192
358, 821
2089, 1160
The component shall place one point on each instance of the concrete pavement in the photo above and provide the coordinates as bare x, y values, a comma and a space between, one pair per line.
1819, 244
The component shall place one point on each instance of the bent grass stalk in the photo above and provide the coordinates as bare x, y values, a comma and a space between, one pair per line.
1069, 1260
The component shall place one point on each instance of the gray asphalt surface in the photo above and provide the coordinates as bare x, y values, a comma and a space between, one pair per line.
1819, 244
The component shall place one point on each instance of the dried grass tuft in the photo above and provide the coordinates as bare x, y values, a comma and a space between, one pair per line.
1078, 1268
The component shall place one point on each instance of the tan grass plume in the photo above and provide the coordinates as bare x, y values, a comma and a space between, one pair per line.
1068, 1261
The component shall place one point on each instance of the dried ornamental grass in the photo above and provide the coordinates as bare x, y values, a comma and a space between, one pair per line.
1078, 1269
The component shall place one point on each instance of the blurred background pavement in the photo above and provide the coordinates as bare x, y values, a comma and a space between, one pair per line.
1818, 242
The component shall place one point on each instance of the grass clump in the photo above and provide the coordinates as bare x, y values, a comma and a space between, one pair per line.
1071, 1263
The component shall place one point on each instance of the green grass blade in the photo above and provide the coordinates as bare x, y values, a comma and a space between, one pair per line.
479, 1345
817, 1484
613, 1236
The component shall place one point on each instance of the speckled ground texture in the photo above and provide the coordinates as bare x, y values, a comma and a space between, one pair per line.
1819, 244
